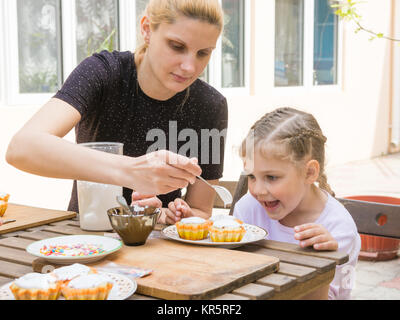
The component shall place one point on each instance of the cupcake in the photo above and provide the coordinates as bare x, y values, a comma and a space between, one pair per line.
193, 228
3, 203
225, 217
3, 207
88, 287
226, 230
65, 274
35, 286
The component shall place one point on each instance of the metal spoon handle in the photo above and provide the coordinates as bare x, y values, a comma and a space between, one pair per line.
202, 179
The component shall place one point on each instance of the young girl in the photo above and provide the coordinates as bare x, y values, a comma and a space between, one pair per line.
124, 96
284, 157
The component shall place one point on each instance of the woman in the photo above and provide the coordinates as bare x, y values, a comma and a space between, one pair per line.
125, 97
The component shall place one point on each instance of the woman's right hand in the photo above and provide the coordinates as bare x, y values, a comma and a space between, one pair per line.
161, 172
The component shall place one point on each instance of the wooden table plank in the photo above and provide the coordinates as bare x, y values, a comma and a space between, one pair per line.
321, 264
302, 289
70, 230
301, 273
230, 296
16, 256
255, 291
14, 242
13, 270
38, 235
279, 282
338, 256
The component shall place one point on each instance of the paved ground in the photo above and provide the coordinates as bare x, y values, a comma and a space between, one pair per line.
378, 280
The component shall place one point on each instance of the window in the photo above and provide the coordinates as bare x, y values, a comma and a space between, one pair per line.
289, 42
46, 39
39, 44
233, 44
97, 27
306, 43
325, 44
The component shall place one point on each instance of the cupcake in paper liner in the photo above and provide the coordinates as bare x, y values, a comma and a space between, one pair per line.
88, 287
3, 203
65, 274
193, 228
226, 230
35, 286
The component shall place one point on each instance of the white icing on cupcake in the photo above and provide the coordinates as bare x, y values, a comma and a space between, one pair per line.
89, 281
35, 281
193, 220
226, 224
222, 216
72, 271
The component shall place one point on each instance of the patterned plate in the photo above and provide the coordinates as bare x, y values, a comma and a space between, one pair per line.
122, 289
253, 234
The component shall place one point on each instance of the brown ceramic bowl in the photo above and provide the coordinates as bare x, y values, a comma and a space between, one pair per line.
134, 229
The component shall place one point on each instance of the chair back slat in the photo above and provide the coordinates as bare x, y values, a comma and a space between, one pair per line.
368, 216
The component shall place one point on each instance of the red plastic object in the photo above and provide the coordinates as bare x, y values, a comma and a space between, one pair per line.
375, 248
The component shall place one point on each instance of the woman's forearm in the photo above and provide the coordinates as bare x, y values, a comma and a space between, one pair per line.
48, 155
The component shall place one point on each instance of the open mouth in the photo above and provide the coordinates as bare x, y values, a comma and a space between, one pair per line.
271, 205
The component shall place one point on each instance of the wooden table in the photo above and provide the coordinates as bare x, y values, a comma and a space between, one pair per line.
301, 271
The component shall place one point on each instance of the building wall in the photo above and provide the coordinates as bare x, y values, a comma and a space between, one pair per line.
353, 115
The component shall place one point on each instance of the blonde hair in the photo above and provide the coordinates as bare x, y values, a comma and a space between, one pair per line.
288, 134
167, 11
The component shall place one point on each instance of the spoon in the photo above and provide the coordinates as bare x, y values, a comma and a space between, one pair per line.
121, 200
222, 192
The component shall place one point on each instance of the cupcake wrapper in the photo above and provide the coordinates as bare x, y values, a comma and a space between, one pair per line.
98, 293
192, 231
3, 208
224, 235
35, 294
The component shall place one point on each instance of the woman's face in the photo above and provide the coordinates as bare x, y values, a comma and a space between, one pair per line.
178, 53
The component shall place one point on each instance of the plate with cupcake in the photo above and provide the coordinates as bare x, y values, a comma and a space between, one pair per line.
219, 231
74, 282
74, 249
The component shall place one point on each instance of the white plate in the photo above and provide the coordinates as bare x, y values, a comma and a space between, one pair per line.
122, 289
110, 245
253, 234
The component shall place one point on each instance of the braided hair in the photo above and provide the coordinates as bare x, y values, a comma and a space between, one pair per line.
291, 135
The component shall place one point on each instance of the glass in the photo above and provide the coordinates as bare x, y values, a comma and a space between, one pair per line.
39, 46
233, 44
94, 199
97, 27
289, 31
325, 43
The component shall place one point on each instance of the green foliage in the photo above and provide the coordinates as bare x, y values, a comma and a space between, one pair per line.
347, 10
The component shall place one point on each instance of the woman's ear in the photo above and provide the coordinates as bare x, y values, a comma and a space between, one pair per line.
312, 171
145, 29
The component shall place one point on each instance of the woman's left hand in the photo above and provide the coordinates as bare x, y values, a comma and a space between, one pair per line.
140, 200
177, 210
315, 235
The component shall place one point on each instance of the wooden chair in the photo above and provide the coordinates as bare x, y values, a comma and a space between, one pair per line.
371, 218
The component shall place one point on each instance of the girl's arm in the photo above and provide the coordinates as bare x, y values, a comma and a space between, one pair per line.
38, 148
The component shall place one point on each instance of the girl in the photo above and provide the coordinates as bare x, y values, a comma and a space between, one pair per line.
122, 97
284, 158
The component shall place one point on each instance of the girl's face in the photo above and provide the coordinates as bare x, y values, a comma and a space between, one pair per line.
178, 53
277, 184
